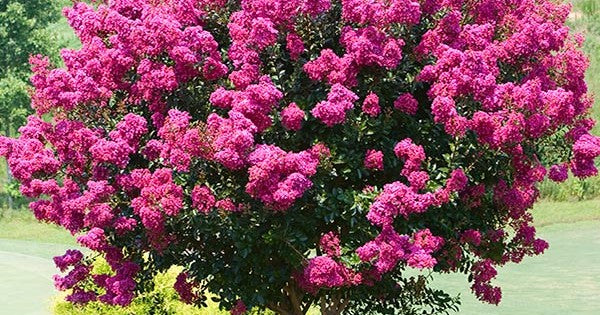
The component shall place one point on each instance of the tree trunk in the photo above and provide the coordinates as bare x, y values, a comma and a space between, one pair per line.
333, 305
298, 303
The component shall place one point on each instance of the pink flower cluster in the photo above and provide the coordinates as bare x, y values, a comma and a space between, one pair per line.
277, 177
585, 150
137, 38
179, 142
374, 160
330, 245
232, 138
239, 308
483, 273
389, 248
292, 117
119, 287
203, 199
325, 272
371, 105
333, 111
381, 13
185, 288
158, 197
406, 103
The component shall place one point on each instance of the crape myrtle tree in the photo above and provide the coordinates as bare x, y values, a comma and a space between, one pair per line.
304, 152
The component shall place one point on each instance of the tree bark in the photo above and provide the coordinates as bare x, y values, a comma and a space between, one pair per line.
296, 302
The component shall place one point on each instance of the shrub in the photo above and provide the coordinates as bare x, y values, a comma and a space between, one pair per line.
300, 152
162, 299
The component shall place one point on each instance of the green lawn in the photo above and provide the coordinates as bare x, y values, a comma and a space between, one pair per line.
564, 280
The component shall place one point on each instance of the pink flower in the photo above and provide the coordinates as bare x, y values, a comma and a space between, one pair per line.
70, 258
472, 237
333, 111
239, 308
203, 199
406, 103
226, 205
371, 105
457, 181
277, 177
94, 239
330, 244
324, 272
559, 173
295, 46
483, 273
292, 117
374, 160
315, 7
185, 289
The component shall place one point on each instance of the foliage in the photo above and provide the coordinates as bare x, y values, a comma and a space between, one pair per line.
226, 137
22, 33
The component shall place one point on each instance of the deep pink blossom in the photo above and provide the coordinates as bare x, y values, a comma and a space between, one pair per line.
203, 199
374, 160
333, 111
371, 105
292, 117
406, 103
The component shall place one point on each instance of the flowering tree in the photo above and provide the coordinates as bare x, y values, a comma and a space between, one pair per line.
300, 152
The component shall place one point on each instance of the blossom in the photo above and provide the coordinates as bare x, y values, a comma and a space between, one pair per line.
277, 177
330, 244
292, 117
95, 239
203, 199
406, 103
483, 273
559, 173
70, 258
185, 288
294, 45
239, 308
170, 109
323, 271
471, 236
374, 160
333, 111
371, 105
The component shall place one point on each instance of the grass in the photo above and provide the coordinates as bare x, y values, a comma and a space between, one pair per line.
62, 32
550, 212
21, 225
564, 280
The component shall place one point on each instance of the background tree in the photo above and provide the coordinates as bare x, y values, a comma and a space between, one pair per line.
23, 32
